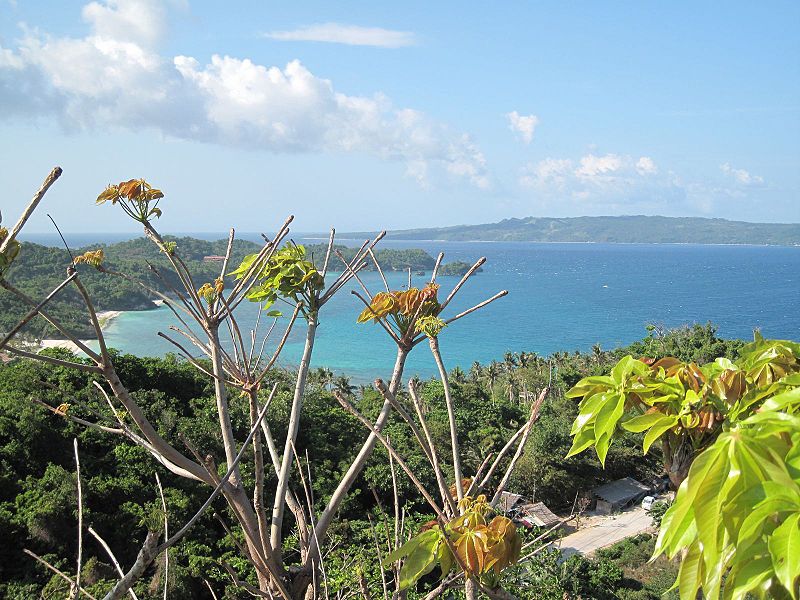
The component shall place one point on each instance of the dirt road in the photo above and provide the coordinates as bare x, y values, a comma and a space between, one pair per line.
607, 531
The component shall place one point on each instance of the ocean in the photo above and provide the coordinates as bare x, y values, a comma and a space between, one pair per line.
562, 297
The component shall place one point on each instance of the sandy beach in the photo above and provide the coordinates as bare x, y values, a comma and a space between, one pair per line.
105, 317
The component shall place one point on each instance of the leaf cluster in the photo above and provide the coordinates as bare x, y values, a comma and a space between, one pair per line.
736, 516
470, 542
287, 275
676, 399
11, 252
402, 308
137, 198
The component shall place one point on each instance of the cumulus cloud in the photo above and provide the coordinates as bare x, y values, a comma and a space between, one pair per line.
646, 166
524, 125
610, 181
351, 35
115, 77
741, 176
596, 167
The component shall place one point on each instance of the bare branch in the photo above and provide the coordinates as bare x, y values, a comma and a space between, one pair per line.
113, 558
279, 348
210, 589
437, 468
380, 270
231, 468
414, 479
166, 532
74, 591
36, 309
54, 361
276, 533
52, 320
147, 553
328, 254
98, 331
451, 417
78, 420
534, 416
57, 572
477, 306
26, 214
463, 280
187, 356
436, 267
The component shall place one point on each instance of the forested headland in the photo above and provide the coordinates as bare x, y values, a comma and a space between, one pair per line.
619, 229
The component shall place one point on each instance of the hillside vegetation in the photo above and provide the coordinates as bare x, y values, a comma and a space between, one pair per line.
38, 503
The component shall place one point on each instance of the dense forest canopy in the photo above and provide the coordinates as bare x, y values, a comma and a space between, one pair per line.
38, 502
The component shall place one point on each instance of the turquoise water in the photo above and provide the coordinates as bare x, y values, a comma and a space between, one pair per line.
561, 297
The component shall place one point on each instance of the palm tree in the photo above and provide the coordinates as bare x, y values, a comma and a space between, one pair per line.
511, 388
458, 375
475, 371
492, 373
509, 361
324, 377
342, 385
597, 353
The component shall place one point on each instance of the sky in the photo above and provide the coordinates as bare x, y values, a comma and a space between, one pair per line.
368, 115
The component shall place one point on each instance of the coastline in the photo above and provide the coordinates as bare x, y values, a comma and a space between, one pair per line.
104, 317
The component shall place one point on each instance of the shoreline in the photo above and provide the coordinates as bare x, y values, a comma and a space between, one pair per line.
104, 317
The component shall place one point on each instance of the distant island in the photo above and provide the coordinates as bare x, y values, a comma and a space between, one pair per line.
40, 268
623, 230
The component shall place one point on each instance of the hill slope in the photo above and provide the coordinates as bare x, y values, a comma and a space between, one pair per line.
627, 229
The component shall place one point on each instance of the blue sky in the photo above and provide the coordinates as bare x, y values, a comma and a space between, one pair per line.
368, 115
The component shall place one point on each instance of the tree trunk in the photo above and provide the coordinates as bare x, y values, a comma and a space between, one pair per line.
678, 456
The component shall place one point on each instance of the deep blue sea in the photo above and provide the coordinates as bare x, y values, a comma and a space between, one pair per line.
561, 297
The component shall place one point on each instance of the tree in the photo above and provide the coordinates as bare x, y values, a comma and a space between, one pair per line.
276, 275
342, 385
730, 435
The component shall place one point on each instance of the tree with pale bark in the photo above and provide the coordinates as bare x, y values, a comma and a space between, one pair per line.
472, 547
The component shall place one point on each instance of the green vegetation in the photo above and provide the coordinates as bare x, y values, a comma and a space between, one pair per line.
38, 502
631, 229
619, 572
729, 433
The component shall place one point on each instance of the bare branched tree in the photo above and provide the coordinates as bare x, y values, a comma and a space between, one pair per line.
240, 364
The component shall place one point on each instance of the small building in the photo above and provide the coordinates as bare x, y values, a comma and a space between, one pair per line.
527, 513
620, 494
508, 501
212, 258
537, 514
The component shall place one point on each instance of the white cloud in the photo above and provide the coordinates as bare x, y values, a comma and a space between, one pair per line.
115, 77
551, 172
352, 35
623, 184
594, 167
524, 125
741, 176
139, 21
646, 166
595, 180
